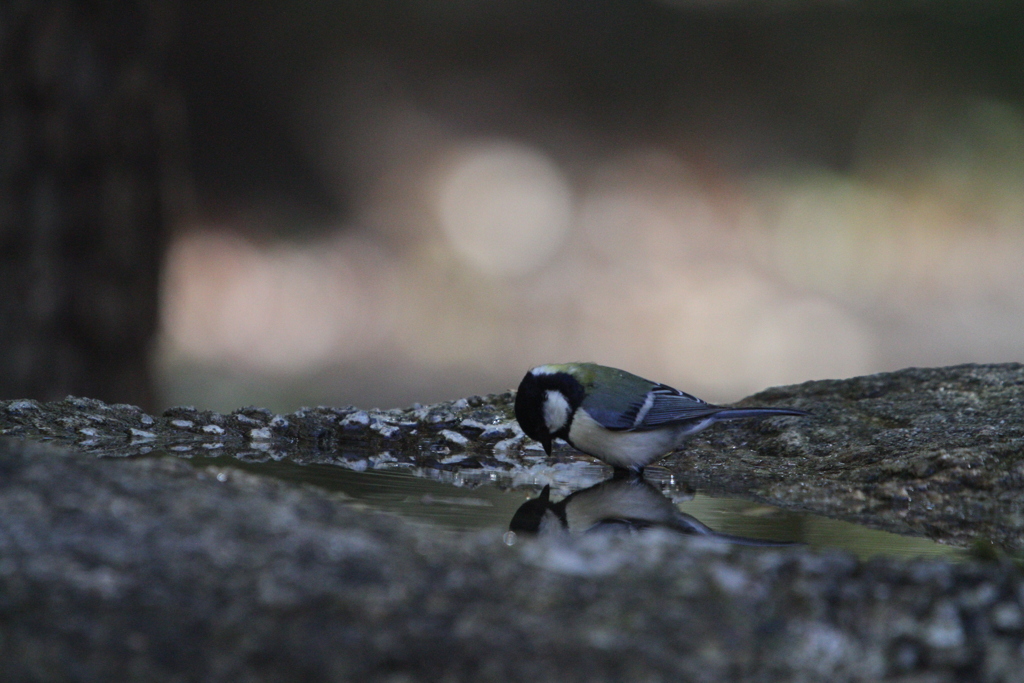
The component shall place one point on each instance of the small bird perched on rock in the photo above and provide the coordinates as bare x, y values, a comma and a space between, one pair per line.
615, 416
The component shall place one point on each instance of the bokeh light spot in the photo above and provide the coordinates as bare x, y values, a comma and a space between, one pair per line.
505, 208
281, 308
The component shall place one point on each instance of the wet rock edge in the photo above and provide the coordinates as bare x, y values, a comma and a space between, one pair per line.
149, 569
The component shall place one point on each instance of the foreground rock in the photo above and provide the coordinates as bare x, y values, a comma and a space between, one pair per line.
154, 570
931, 452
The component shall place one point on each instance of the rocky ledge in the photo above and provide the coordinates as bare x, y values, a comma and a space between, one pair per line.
935, 452
121, 568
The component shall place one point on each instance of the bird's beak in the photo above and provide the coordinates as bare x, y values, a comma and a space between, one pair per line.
547, 445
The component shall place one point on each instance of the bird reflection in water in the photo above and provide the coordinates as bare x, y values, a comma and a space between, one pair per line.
621, 503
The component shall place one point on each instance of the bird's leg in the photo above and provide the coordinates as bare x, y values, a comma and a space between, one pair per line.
620, 473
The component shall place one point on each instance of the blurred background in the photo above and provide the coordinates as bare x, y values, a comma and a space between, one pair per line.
407, 201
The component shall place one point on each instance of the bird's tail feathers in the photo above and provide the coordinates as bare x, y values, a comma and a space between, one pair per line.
692, 526
756, 542
743, 413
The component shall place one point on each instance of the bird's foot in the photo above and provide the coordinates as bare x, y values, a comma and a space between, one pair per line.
627, 472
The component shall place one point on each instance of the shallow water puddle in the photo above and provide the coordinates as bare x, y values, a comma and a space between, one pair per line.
745, 518
466, 505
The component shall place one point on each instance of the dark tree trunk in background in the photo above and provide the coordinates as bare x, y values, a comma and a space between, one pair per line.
83, 176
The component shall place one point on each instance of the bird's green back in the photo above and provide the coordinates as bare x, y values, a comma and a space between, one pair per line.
609, 389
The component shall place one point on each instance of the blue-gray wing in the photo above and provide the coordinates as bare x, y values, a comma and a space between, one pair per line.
671, 406
660, 405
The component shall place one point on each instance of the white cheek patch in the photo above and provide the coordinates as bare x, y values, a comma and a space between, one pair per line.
556, 410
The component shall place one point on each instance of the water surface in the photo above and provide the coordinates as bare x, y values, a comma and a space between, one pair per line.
466, 505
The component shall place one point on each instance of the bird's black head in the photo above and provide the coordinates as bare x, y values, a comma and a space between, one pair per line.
538, 514
545, 403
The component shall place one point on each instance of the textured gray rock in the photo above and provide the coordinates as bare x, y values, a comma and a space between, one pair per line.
150, 569
936, 452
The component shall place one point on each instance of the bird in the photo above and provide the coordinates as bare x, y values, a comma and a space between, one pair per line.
620, 503
615, 416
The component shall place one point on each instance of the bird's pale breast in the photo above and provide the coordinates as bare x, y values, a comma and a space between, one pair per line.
619, 448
